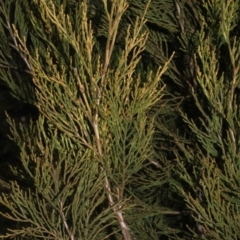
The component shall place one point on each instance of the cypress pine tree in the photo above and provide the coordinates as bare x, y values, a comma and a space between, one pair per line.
85, 163
123, 149
207, 157
205, 161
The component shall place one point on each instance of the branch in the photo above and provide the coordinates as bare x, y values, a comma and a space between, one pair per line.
114, 20
13, 35
71, 235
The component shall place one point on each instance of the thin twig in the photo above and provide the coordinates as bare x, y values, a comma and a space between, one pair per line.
179, 16
156, 164
71, 235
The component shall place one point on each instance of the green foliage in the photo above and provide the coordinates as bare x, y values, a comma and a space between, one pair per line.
82, 159
122, 148
207, 165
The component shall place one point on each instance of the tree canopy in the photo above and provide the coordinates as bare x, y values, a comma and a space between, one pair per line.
120, 119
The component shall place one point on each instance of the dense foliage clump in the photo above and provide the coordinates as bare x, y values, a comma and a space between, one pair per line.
119, 119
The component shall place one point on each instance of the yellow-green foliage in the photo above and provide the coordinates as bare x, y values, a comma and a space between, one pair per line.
93, 135
138, 129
